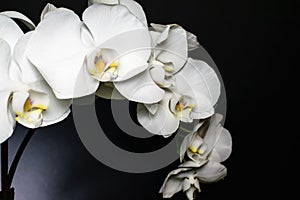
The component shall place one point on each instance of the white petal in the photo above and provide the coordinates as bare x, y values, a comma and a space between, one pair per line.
48, 8
132, 51
123, 33
152, 108
213, 132
208, 80
214, 156
132, 64
211, 172
190, 193
158, 75
57, 109
9, 31
154, 37
39, 98
173, 101
186, 185
187, 141
140, 88
29, 73
185, 144
136, 9
7, 123
224, 145
57, 50
10, 72
171, 187
108, 91
163, 31
196, 143
198, 81
48, 122
15, 72
174, 49
108, 2
20, 16
197, 185
172, 183
5, 56
18, 101
163, 122
33, 121
193, 164
106, 22
192, 41
86, 37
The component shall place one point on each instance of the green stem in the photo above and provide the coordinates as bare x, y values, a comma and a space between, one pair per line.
185, 130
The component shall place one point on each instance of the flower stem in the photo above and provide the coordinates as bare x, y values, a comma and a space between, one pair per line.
4, 170
185, 130
18, 156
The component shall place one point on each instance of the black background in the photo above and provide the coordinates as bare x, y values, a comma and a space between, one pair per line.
253, 44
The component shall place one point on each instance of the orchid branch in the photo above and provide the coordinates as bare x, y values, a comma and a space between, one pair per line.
18, 155
8, 175
4, 169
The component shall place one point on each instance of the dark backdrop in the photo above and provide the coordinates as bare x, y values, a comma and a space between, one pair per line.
251, 42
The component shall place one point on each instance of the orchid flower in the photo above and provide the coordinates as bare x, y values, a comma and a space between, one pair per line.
170, 44
188, 179
210, 141
24, 96
193, 96
207, 147
110, 45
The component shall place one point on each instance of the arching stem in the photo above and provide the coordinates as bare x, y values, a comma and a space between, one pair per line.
18, 156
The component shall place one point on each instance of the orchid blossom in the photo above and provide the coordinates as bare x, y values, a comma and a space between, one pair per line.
195, 92
111, 52
170, 44
24, 96
110, 44
206, 148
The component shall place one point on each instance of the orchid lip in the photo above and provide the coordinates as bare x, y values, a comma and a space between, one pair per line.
182, 107
103, 65
32, 112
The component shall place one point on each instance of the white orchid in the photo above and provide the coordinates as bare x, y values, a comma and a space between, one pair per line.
193, 96
170, 44
24, 96
207, 147
112, 53
188, 179
210, 141
109, 45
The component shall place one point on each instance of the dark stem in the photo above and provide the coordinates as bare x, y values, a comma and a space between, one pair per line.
18, 156
4, 169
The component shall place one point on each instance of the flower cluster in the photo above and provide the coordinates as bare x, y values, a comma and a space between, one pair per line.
204, 150
111, 52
